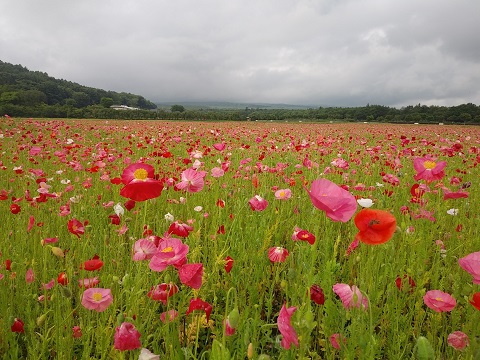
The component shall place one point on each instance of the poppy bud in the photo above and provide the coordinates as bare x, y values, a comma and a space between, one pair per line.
41, 319
57, 251
234, 317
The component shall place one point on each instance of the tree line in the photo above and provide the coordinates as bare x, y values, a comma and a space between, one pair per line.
25, 93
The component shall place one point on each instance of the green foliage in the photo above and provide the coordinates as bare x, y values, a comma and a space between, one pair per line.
177, 108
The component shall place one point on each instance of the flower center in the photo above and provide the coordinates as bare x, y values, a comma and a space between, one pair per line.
167, 249
140, 174
428, 164
97, 296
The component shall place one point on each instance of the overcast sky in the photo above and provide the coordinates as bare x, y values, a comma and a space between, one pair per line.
314, 52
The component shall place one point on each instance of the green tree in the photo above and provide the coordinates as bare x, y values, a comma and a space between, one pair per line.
177, 108
106, 102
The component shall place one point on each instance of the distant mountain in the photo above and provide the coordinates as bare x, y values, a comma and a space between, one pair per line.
220, 105
22, 87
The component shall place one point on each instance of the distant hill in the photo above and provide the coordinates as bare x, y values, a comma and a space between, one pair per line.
219, 105
25, 88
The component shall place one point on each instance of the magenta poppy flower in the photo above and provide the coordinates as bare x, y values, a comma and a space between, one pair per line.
317, 295
191, 180
143, 249
337, 203
29, 276
97, 299
257, 203
126, 337
162, 292
471, 264
439, 301
170, 251
76, 227
289, 335
140, 183
277, 254
199, 304
191, 275
351, 296
219, 146
428, 169
448, 194
458, 340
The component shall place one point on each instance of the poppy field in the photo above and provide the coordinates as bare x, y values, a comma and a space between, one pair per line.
229, 240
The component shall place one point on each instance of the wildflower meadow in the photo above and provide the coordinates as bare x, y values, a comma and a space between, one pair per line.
238, 240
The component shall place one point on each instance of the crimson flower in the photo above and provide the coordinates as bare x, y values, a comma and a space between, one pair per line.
126, 337
62, 279
77, 332
475, 300
303, 235
337, 203
285, 327
439, 301
428, 169
448, 194
76, 227
199, 304
140, 183
336, 340
180, 229
17, 326
317, 295
191, 275
8, 265
228, 264
405, 283
162, 292
376, 226
15, 209
168, 316
93, 264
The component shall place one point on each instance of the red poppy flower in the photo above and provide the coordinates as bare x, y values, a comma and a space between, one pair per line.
191, 275
140, 183
62, 279
475, 300
93, 264
162, 292
405, 283
15, 209
76, 227
376, 226
180, 229
17, 326
228, 264
199, 304
8, 265
317, 295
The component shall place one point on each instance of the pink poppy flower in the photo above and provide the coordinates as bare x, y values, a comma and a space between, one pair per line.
143, 249
191, 180
162, 292
217, 172
458, 340
338, 204
428, 169
169, 252
97, 299
336, 340
199, 304
439, 301
140, 183
257, 203
289, 335
168, 316
126, 337
219, 146
471, 264
31, 222
77, 332
48, 285
351, 296
448, 194
146, 354
277, 254
88, 283
191, 275
283, 194
29, 276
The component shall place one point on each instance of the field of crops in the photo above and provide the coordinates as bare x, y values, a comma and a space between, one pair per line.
228, 240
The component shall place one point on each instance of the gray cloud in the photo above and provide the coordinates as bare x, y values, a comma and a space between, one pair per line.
325, 52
